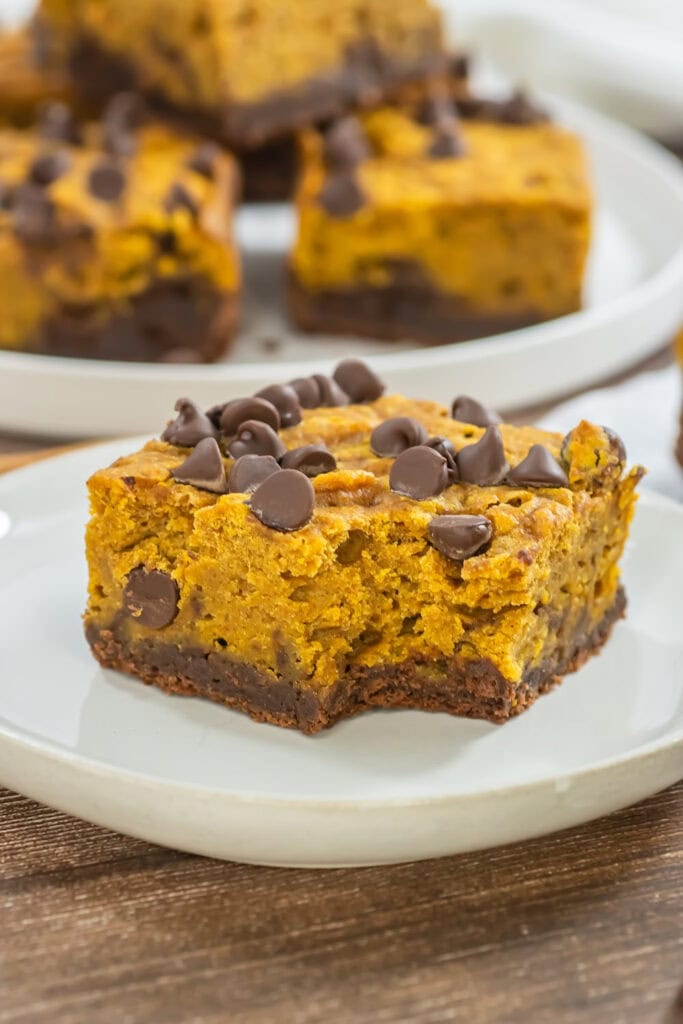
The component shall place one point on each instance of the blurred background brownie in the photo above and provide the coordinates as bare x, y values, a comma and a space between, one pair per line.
439, 228
116, 238
247, 75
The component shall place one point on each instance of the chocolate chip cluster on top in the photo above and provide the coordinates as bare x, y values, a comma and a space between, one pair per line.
60, 181
347, 144
278, 479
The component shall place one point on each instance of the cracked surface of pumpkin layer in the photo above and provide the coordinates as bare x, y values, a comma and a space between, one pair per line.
103, 267
502, 231
361, 585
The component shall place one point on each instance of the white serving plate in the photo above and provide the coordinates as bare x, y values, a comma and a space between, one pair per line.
634, 302
386, 787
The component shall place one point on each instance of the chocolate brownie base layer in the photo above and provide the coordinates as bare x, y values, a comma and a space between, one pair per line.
177, 320
399, 312
469, 688
366, 76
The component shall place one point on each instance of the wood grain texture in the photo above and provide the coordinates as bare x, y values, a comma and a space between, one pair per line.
583, 926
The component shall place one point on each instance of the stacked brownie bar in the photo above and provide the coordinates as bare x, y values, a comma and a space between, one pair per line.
116, 238
322, 548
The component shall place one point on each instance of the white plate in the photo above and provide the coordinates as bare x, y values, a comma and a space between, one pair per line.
386, 787
634, 302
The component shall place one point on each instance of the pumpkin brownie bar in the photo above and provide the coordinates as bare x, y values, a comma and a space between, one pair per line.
247, 73
116, 239
438, 227
322, 548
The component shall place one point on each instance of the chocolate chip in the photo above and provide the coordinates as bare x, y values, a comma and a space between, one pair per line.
439, 110
469, 410
123, 116
345, 144
203, 467
519, 109
446, 448
151, 598
106, 181
307, 390
256, 438
617, 446
57, 123
239, 410
460, 536
395, 435
484, 462
249, 471
447, 143
180, 198
311, 459
330, 393
458, 65
48, 167
285, 501
341, 195
285, 400
6, 195
203, 160
358, 381
33, 215
419, 473
190, 426
539, 469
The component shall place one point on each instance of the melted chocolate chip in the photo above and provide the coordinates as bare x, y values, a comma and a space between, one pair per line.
341, 195
240, 410
249, 471
285, 400
57, 123
106, 181
48, 167
484, 462
330, 395
203, 468
345, 144
439, 110
6, 196
307, 390
151, 597
469, 410
419, 473
180, 198
311, 459
447, 143
256, 438
358, 381
539, 469
203, 160
460, 536
445, 448
123, 116
393, 436
519, 109
33, 215
285, 501
190, 426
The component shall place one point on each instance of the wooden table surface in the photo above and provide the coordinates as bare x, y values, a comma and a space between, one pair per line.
582, 926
